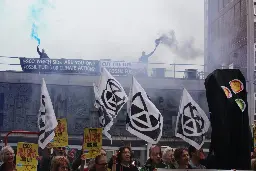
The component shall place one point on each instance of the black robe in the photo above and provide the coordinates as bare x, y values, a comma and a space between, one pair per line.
231, 135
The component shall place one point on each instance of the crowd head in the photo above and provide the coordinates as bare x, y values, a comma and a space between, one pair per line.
7, 154
124, 155
194, 153
181, 156
100, 163
60, 163
168, 155
155, 154
59, 151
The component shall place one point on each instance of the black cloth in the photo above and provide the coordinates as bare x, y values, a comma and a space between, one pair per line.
3, 167
231, 136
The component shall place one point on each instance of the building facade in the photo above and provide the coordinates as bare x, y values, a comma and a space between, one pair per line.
229, 40
73, 98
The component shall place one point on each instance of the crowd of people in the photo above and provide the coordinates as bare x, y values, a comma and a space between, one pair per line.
59, 160
180, 158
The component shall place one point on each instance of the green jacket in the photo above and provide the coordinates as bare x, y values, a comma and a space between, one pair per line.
149, 166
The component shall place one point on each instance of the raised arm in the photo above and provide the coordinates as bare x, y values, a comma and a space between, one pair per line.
151, 52
38, 51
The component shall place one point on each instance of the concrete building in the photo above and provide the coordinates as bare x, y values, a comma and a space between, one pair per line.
73, 98
229, 40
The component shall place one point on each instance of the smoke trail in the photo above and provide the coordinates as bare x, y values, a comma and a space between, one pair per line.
186, 49
36, 11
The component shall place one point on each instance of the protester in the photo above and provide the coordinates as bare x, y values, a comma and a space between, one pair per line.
45, 163
122, 161
154, 161
100, 164
254, 154
91, 164
7, 157
168, 158
182, 158
79, 162
60, 163
47, 157
59, 151
253, 164
195, 157
42, 54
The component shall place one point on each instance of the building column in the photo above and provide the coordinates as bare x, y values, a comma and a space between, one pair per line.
148, 147
250, 62
142, 157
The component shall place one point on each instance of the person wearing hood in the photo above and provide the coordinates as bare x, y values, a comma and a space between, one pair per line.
42, 54
155, 160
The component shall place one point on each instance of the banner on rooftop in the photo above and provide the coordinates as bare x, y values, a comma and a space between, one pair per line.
122, 68
36, 65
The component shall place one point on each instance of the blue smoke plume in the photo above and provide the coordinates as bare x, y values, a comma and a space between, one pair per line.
36, 11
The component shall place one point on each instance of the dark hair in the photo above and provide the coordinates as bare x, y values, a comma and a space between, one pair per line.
191, 150
178, 153
120, 151
119, 156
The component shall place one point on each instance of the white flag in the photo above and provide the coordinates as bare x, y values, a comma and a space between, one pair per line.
106, 121
111, 94
110, 98
143, 118
47, 121
192, 122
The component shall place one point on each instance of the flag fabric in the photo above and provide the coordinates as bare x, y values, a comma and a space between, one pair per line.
111, 94
105, 120
192, 123
231, 138
47, 121
143, 118
109, 99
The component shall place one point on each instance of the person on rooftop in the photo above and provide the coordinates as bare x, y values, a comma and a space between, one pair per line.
42, 54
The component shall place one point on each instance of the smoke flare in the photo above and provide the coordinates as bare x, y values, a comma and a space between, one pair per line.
36, 11
186, 49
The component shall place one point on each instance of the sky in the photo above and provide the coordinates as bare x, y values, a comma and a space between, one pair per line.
100, 29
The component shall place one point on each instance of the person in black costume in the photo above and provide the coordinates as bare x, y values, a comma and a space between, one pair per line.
231, 135
42, 54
